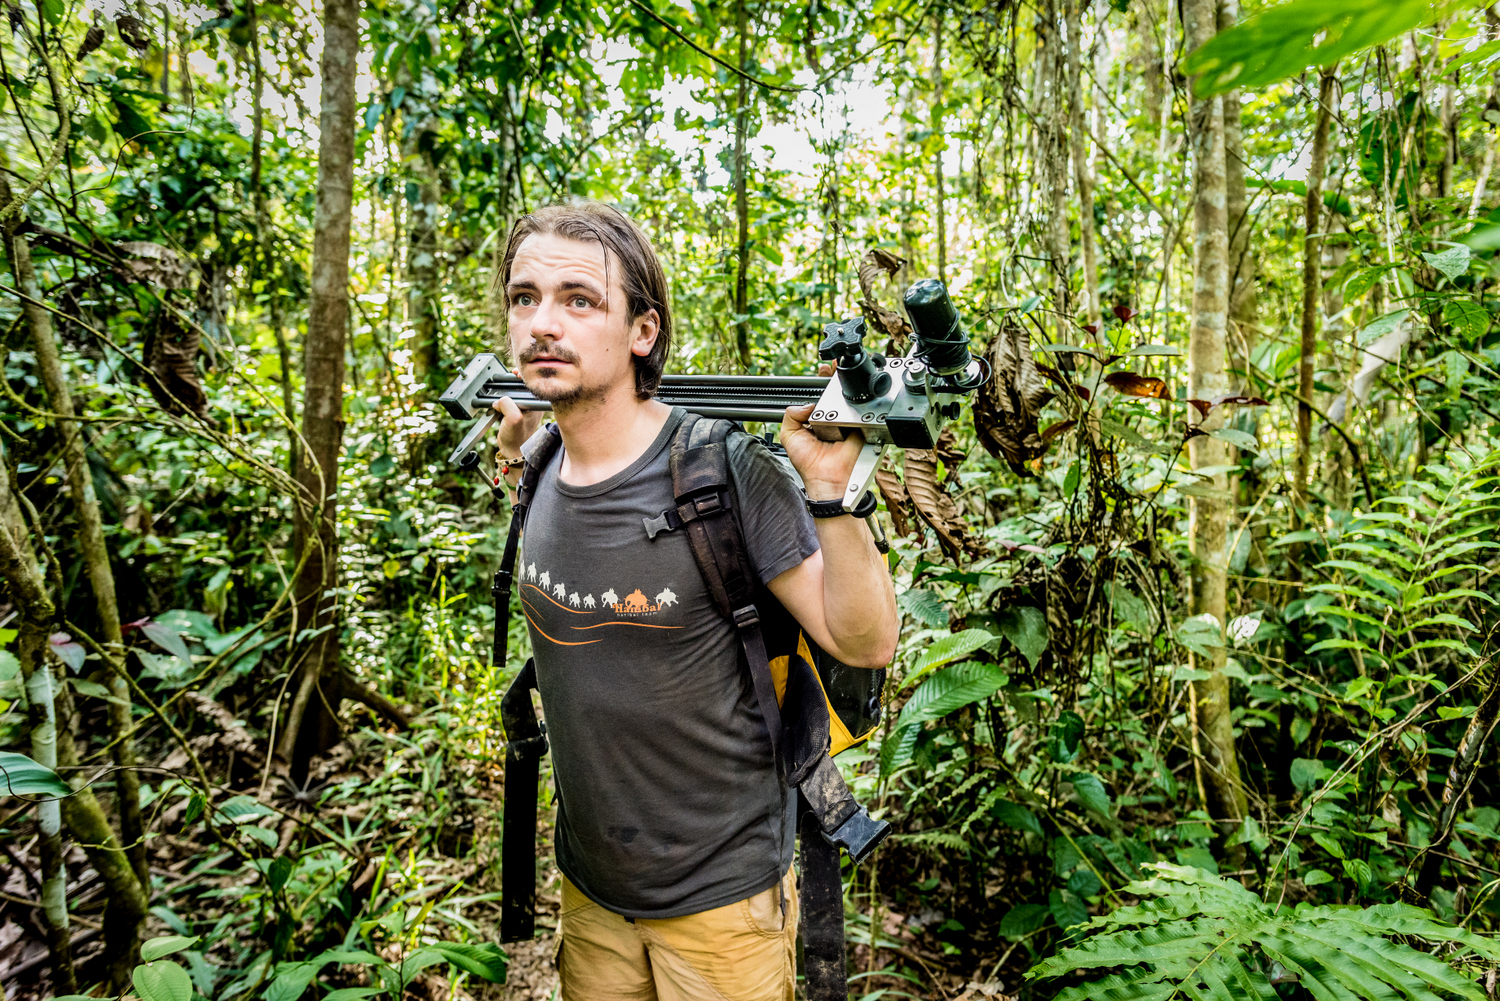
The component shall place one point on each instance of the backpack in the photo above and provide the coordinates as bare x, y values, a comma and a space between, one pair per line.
813, 706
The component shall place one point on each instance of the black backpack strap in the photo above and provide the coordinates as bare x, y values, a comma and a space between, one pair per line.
701, 486
526, 738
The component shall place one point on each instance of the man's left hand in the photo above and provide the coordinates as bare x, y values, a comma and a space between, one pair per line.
825, 466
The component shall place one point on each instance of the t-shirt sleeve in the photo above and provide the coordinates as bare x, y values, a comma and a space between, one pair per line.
778, 531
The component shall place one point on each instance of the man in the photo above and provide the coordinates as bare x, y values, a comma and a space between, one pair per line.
674, 832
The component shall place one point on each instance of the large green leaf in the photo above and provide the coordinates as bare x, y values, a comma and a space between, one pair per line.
22, 776
952, 688
947, 650
485, 960
162, 980
1285, 40
165, 945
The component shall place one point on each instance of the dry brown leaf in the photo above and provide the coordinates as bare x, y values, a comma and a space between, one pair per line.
934, 506
1058, 428
155, 264
171, 353
1006, 407
92, 39
872, 267
896, 500
1132, 384
133, 32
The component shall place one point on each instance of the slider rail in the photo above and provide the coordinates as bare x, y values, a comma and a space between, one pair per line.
735, 397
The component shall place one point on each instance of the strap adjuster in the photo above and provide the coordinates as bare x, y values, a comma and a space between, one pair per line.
710, 504
501, 584
746, 617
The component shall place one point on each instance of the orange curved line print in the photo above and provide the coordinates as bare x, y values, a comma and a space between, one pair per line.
558, 642
554, 601
641, 625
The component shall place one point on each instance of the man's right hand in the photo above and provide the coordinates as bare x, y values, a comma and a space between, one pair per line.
516, 426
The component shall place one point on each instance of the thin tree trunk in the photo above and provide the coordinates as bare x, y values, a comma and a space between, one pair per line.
34, 626
1052, 150
126, 897
741, 196
1208, 516
422, 270
1460, 776
939, 179
1082, 175
1312, 286
311, 725
90, 540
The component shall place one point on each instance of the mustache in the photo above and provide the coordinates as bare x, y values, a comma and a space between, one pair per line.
535, 350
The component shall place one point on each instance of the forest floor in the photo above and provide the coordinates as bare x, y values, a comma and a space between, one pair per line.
406, 801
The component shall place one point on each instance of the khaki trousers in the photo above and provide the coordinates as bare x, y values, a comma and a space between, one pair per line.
745, 951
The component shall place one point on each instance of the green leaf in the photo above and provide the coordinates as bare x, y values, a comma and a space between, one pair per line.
1451, 262
1153, 349
1026, 627
280, 871
1306, 772
1285, 40
1201, 634
1242, 440
1067, 908
163, 980
949, 648
485, 960
292, 980
1381, 326
924, 605
1067, 737
1090, 792
94, 690
1468, 318
352, 993
21, 776
165, 945
1017, 816
168, 639
1317, 877
950, 689
1023, 919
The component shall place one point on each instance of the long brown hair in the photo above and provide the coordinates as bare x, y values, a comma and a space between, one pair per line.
641, 277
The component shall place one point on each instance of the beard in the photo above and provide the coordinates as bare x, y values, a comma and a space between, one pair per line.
561, 397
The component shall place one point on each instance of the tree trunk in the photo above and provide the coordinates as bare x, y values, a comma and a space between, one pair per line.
1082, 174
34, 626
741, 196
90, 540
422, 291
1312, 286
1208, 516
1052, 151
1460, 776
311, 723
126, 896
939, 180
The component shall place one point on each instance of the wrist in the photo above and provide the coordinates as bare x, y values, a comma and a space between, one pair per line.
817, 491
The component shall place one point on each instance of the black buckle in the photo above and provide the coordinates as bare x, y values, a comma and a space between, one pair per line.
860, 835
531, 747
501, 584
710, 504
746, 617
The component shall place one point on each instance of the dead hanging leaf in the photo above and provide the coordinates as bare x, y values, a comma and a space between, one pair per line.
171, 353
1124, 313
1006, 407
932, 503
16, 18
897, 503
155, 264
872, 267
1205, 407
1132, 384
133, 32
92, 39
1056, 429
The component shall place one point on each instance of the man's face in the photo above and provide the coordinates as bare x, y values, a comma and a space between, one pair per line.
569, 324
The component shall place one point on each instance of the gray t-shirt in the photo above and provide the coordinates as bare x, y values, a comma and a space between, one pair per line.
669, 802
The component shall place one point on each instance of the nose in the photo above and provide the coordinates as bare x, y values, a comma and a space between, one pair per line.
546, 322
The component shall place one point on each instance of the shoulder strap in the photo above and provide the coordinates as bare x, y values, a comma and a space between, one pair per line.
539, 451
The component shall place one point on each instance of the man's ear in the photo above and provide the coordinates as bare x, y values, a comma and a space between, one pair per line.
645, 327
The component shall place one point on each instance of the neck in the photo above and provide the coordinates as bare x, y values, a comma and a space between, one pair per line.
604, 435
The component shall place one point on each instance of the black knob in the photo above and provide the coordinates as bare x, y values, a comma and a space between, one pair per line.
843, 340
